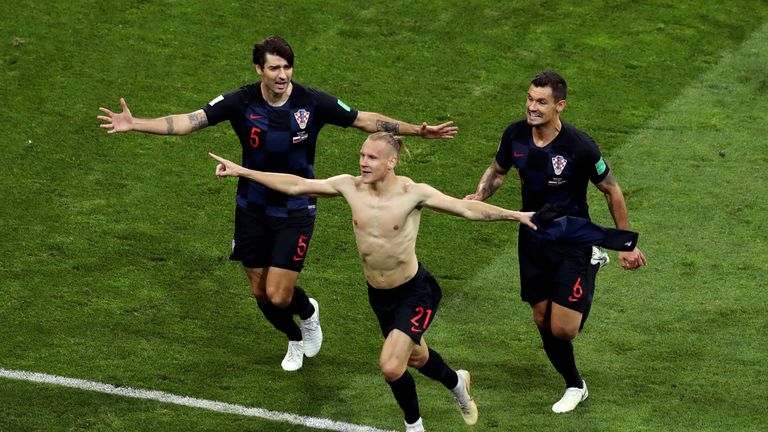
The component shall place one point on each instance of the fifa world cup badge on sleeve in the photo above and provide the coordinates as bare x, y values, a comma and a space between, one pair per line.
216, 100
343, 105
600, 166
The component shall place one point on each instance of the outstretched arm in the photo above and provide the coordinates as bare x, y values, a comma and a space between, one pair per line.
374, 122
177, 124
285, 183
469, 209
618, 208
489, 183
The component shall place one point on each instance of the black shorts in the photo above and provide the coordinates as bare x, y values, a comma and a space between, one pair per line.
266, 241
556, 271
410, 307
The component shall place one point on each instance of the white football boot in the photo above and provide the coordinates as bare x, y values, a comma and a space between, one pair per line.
311, 332
294, 357
464, 399
599, 256
572, 397
418, 426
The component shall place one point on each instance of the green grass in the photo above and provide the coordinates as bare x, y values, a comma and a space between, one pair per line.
113, 256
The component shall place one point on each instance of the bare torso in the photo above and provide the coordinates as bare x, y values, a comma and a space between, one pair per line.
386, 224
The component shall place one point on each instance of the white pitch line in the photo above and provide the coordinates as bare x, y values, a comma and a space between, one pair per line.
311, 422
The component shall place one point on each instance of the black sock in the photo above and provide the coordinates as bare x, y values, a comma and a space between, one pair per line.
560, 354
404, 389
438, 370
300, 304
281, 319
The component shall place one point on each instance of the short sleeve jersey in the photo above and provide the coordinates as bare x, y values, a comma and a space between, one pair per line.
278, 139
557, 173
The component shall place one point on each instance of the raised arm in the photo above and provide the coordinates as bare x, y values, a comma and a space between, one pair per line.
374, 122
177, 124
490, 182
285, 183
468, 209
618, 208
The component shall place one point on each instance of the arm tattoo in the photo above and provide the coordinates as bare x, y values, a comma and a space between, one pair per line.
489, 188
169, 127
384, 126
198, 120
490, 183
487, 216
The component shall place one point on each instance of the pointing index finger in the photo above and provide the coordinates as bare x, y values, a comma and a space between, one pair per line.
218, 158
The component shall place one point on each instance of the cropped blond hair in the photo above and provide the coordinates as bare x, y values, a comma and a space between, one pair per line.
394, 141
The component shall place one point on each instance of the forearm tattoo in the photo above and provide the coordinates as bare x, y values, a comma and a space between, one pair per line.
385, 126
198, 120
487, 189
489, 185
169, 127
488, 216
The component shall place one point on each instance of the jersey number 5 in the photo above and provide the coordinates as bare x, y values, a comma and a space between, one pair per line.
255, 137
301, 248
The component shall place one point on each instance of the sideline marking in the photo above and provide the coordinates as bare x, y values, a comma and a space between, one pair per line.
311, 422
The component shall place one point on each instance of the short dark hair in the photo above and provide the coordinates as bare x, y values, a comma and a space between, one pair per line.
553, 80
274, 45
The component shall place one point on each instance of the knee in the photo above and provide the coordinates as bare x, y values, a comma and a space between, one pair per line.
418, 359
260, 296
565, 332
391, 369
280, 297
258, 286
539, 313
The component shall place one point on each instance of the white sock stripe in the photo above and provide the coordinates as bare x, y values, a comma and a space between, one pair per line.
312, 422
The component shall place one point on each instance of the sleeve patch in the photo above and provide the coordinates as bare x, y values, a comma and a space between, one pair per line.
600, 166
343, 105
216, 100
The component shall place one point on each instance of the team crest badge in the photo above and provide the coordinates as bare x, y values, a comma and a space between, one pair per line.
302, 118
558, 163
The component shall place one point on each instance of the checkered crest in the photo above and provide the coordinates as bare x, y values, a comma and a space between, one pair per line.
558, 163
302, 117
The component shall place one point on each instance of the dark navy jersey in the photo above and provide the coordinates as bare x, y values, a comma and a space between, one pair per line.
278, 139
558, 173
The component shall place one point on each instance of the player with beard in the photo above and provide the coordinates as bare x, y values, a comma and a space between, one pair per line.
555, 162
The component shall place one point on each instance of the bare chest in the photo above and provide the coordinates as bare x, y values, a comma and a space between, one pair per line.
384, 217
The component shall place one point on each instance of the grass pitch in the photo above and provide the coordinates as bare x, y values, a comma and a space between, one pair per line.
113, 256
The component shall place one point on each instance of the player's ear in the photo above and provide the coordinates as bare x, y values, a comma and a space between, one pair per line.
258, 69
392, 162
560, 106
